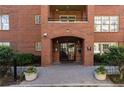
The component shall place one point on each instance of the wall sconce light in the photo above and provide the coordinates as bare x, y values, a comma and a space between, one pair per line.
89, 48
45, 34
57, 41
57, 10
67, 30
56, 49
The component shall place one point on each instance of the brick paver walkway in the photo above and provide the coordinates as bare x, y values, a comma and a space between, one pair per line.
66, 75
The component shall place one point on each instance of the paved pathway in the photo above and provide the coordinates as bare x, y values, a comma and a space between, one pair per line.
66, 75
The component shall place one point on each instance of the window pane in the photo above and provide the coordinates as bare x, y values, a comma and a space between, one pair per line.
5, 19
114, 20
5, 22
105, 47
105, 28
4, 43
97, 28
114, 44
37, 19
72, 18
99, 47
105, 20
5, 27
0, 43
96, 48
113, 28
38, 46
63, 18
97, 20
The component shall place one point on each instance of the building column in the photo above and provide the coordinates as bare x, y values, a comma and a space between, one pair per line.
46, 53
88, 54
46, 57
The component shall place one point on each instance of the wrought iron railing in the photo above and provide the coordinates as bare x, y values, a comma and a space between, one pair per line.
67, 20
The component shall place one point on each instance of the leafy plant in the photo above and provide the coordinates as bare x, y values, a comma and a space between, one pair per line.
101, 70
31, 69
101, 59
116, 57
6, 55
97, 58
36, 59
23, 59
26, 59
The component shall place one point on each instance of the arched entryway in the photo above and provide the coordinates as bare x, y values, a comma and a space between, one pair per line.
67, 49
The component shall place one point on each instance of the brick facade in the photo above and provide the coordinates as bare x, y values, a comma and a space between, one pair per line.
24, 33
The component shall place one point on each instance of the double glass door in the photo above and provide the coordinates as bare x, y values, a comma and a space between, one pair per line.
67, 51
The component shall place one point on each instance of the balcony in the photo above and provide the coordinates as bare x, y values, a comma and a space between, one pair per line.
68, 14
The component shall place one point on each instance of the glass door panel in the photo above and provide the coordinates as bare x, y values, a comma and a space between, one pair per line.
67, 51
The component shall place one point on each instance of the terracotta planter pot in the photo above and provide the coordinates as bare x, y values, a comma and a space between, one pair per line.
30, 76
100, 76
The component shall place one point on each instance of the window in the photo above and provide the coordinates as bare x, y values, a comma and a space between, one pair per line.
102, 47
38, 46
63, 18
37, 19
71, 18
4, 22
105, 47
106, 23
96, 48
67, 18
4, 43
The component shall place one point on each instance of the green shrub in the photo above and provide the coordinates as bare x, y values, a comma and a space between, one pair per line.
26, 59
115, 55
6, 55
36, 59
101, 59
23, 59
97, 58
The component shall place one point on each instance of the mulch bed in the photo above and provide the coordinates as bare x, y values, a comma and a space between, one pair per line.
8, 80
116, 79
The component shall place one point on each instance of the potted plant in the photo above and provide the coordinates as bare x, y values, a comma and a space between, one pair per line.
100, 73
30, 73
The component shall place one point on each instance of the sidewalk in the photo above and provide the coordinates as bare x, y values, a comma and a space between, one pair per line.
66, 75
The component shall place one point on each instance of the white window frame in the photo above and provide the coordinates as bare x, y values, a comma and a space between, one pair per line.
4, 23
37, 19
38, 46
98, 21
5, 44
98, 46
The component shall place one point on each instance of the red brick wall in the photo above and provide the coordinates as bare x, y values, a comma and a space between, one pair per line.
109, 10
23, 32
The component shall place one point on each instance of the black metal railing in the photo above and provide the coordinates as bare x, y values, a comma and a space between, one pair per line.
67, 20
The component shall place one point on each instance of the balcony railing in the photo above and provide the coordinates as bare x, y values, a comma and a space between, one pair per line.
53, 20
